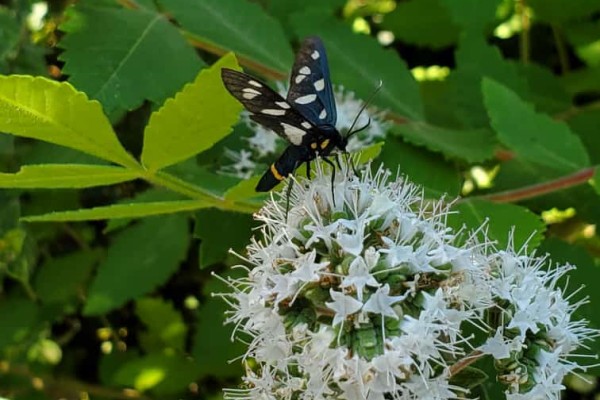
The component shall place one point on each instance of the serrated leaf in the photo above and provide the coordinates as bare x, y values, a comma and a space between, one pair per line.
472, 14
412, 22
55, 112
198, 117
438, 177
61, 280
533, 136
53, 176
471, 145
138, 260
501, 219
162, 373
238, 26
142, 56
359, 63
164, 325
219, 232
132, 210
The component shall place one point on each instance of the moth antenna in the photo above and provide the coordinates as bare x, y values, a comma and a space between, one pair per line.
366, 103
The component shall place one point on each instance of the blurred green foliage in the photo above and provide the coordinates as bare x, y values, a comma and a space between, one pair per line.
116, 124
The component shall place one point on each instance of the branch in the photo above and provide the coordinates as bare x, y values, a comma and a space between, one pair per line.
465, 362
528, 192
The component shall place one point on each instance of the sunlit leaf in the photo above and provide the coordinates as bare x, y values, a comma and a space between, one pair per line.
55, 112
199, 116
164, 325
132, 210
66, 176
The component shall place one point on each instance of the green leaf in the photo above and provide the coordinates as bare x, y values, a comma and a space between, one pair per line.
472, 14
9, 33
131, 210
245, 189
476, 59
162, 373
546, 91
219, 232
471, 145
583, 278
139, 259
438, 177
412, 22
554, 11
52, 176
238, 26
359, 63
585, 125
164, 325
369, 153
582, 81
533, 136
55, 112
141, 57
198, 117
17, 319
502, 218
469, 377
595, 181
213, 356
62, 280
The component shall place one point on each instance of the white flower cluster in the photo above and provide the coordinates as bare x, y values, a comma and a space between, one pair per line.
265, 144
361, 291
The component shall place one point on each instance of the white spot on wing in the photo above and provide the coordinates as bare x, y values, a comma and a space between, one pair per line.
283, 104
294, 134
272, 111
309, 98
319, 85
300, 78
306, 124
304, 70
249, 93
254, 83
315, 55
323, 114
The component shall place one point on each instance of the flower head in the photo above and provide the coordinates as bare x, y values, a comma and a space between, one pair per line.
361, 291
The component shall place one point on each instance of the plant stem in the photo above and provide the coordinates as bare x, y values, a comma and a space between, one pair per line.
561, 49
187, 189
528, 192
524, 43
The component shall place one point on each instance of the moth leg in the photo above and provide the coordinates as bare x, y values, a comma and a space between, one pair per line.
308, 169
287, 197
328, 161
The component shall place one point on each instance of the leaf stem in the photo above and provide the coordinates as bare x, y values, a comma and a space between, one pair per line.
187, 189
540, 189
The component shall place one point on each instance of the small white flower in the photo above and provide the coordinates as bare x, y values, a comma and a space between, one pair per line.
343, 305
381, 302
